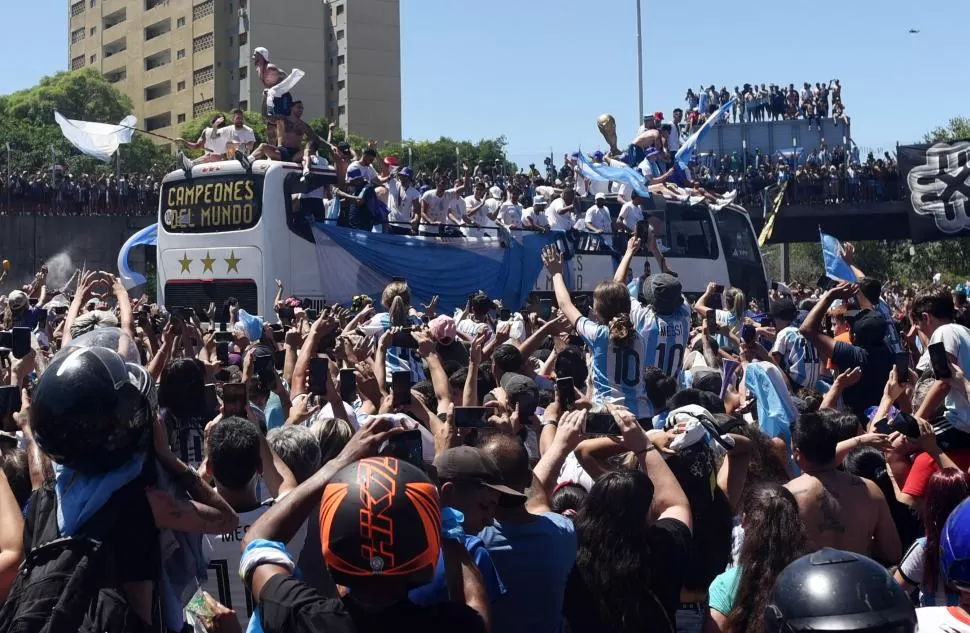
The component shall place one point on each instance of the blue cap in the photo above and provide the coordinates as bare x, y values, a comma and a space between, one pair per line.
407, 172
955, 546
597, 155
354, 173
574, 155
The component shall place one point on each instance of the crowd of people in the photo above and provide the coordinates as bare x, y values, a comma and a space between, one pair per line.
59, 193
637, 462
768, 102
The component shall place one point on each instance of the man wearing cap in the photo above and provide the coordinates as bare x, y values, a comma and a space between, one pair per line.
469, 481
868, 349
359, 203
598, 221
402, 201
271, 75
535, 216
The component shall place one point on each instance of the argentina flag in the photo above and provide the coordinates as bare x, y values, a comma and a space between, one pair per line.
615, 171
686, 150
835, 266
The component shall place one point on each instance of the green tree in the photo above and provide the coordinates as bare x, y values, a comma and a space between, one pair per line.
957, 128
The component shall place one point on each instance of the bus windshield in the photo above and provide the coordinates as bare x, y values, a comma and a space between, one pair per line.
213, 204
737, 236
690, 232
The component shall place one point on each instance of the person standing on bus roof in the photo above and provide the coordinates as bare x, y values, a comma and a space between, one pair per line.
271, 75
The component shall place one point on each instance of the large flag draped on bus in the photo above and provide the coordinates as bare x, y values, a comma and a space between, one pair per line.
357, 262
97, 140
148, 236
686, 151
615, 171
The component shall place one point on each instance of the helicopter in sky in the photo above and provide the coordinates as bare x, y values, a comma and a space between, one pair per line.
913, 31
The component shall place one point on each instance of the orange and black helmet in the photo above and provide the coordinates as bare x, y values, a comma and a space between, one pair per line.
380, 517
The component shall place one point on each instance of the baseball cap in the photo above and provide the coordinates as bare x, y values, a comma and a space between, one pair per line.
598, 155
407, 171
391, 161
664, 292
600, 196
443, 329
260, 50
467, 463
522, 391
354, 173
869, 328
17, 300
538, 200
495, 192
659, 116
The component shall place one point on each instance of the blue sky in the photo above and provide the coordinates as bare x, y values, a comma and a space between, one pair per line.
541, 71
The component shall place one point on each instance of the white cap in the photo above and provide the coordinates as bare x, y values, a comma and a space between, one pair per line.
495, 192
538, 200
259, 50
17, 300
600, 196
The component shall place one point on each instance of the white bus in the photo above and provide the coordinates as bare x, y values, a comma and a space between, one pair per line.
225, 232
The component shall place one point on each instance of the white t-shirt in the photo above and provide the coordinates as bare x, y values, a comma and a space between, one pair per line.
471, 329
946, 619
629, 215
559, 221
400, 201
215, 141
956, 341
545, 190
480, 216
538, 219
437, 207
239, 136
510, 215
224, 552
370, 174
599, 218
457, 206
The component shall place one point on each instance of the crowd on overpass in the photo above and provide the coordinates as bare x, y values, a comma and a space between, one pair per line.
769, 102
55, 192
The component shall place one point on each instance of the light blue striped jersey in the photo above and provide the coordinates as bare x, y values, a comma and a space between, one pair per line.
666, 337
893, 340
617, 370
725, 317
398, 358
799, 358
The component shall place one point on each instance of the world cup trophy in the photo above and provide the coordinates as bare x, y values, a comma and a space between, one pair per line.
607, 126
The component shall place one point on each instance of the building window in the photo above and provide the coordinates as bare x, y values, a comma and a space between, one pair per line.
117, 75
244, 105
203, 42
342, 110
180, 118
243, 72
180, 54
203, 75
94, 30
77, 62
181, 86
77, 35
77, 8
341, 84
203, 9
179, 23
151, 4
340, 60
94, 3
202, 107
94, 58
340, 9
158, 121
340, 34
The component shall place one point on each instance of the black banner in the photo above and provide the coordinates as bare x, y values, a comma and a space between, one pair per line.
937, 179
211, 204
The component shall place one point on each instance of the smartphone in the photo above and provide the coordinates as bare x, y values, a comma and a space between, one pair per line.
401, 388
882, 426
774, 286
278, 335
9, 399
263, 366
188, 312
6, 339
601, 424
566, 390
223, 337
748, 333
938, 360
906, 424
643, 228
348, 385
719, 288
312, 314
902, 367
473, 417
60, 309
711, 316
504, 314
222, 352
279, 359
211, 400
407, 447
20, 342
404, 339
234, 399
545, 309
825, 283
319, 376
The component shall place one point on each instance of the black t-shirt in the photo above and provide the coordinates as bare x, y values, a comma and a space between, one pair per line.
289, 605
670, 542
875, 361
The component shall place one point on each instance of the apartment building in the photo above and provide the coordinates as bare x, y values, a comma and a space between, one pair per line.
177, 59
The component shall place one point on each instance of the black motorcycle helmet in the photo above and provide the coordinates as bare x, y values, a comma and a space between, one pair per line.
832, 590
91, 411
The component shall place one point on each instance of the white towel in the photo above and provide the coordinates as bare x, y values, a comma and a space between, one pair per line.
98, 140
284, 86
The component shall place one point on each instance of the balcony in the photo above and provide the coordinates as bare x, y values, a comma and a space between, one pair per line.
116, 75
115, 47
159, 28
114, 19
153, 4
158, 121
162, 58
158, 91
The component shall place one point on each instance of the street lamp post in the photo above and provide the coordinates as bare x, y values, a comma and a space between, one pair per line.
639, 63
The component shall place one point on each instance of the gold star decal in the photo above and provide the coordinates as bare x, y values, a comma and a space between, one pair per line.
186, 262
207, 263
232, 262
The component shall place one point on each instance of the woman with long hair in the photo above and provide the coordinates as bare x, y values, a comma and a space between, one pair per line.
773, 537
618, 350
396, 299
920, 566
729, 315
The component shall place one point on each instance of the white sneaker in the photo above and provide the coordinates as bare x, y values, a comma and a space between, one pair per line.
661, 246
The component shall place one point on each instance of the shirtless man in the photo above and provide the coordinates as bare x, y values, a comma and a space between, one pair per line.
270, 75
294, 128
838, 509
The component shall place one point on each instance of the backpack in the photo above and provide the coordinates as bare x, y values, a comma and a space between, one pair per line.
65, 584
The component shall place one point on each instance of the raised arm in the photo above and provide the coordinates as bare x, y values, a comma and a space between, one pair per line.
11, 537
632, 248
568, 435
811, 327
553, 261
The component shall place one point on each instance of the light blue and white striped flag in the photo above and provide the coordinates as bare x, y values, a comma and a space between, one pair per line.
686, 150
835, 267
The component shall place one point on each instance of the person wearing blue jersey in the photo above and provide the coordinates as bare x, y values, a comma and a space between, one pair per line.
730, 319
397, 299
618, 350
797, 358
660, 316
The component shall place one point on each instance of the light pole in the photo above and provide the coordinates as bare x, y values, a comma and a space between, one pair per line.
639, 63
9, 182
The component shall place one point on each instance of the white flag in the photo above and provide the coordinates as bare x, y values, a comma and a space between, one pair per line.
98, 140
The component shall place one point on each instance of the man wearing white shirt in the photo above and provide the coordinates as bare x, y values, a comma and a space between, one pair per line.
561, 212
435, 209
535, 216
211, 140
403, 201
366, 166
510, 212
239, 135
598, 221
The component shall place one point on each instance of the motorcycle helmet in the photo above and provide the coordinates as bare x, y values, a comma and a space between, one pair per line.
91, 411
380, 517
833, 590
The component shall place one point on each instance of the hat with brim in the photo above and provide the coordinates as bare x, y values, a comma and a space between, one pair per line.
472, 465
